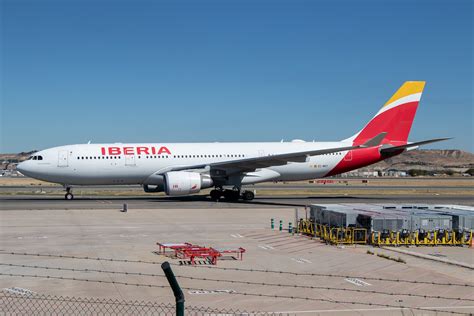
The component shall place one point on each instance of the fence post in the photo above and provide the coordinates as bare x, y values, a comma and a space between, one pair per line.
178, 293
296, 218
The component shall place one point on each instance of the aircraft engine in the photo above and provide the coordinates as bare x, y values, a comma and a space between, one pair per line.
182, 182
153, 188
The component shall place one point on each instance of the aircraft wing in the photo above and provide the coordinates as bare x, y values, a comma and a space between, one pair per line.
251, 164
392, 149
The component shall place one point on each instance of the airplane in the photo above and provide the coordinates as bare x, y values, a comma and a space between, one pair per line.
179, 169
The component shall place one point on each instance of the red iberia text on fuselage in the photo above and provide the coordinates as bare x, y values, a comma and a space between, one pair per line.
134, 150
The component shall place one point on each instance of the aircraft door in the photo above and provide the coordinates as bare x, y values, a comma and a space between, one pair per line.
129, 160
63, 158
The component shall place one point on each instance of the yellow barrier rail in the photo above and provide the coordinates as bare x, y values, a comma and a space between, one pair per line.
333, 235
348, 235
306, 227
352, 235
421, 238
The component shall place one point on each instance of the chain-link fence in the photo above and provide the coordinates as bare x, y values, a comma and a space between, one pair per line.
36, 304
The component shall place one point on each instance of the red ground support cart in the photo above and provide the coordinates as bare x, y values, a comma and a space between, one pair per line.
163, 246
239, 252
202, 252
189, 251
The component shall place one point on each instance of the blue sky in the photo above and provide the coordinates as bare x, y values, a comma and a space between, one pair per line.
177, 71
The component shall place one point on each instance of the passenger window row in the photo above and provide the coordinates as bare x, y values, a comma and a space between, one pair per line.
164, 156
151, 157
210, 156
99, 157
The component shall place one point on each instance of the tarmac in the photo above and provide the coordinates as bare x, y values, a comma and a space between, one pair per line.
108, 233
429, 190
308, 278
39, 202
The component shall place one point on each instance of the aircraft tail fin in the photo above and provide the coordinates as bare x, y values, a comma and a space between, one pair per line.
396, 116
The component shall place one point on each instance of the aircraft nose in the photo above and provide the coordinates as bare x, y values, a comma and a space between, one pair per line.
23, 167
19, 166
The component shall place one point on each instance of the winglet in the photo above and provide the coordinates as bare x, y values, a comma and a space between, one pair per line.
377, 140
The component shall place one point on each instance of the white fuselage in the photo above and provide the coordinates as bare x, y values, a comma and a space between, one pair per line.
103, 164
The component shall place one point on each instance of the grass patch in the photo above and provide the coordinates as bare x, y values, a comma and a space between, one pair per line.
382, 255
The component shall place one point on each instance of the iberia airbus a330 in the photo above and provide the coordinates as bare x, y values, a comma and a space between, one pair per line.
187, 168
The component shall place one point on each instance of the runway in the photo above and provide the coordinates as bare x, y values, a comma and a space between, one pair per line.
36, 202
24, 194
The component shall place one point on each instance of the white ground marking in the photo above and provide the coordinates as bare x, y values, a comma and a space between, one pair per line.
357, 282
207, 292
19, 290
301, 260
33, 237
266, 247
132, 236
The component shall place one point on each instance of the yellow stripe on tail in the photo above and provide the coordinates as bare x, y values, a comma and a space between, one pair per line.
408, 88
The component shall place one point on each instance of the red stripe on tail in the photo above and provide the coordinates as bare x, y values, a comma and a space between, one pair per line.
396, 122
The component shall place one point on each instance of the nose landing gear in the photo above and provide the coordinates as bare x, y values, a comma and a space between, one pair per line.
69, 195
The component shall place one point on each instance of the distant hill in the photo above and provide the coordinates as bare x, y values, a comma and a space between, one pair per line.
19, 156
9, 161
433, 159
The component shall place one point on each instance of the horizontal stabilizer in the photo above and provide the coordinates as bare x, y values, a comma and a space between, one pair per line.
377, 140
388, 150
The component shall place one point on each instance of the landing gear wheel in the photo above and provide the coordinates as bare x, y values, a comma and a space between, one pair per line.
231, 195
68, 195
215, 195
248, 196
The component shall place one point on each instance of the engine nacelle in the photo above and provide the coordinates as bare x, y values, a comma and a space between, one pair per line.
183, 183
149, 188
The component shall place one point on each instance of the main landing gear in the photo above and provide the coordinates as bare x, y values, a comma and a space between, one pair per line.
248, 195
231, 195
69, 195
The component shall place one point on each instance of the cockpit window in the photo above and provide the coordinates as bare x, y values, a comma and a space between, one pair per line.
34, 157
40, 157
